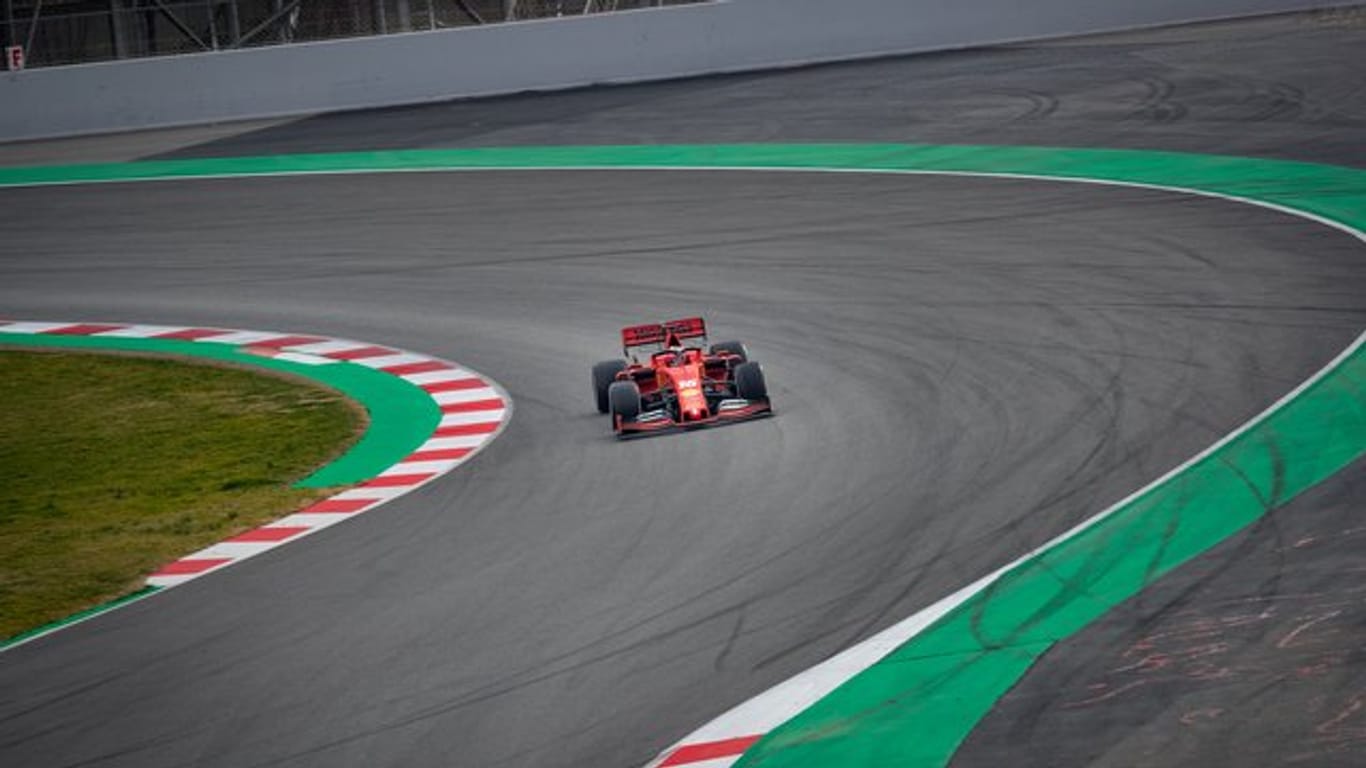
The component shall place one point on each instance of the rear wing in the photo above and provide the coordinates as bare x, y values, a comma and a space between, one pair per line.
659, 333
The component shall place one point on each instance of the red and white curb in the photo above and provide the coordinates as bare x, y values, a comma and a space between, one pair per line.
474, 411
719, 753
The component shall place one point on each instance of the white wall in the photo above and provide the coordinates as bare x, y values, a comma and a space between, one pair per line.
723, 36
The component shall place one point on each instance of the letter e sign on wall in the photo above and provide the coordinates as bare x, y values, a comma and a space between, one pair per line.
14, 57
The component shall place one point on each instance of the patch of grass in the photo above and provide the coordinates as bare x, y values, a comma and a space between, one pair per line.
112, 465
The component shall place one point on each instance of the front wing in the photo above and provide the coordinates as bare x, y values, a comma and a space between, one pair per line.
661, 420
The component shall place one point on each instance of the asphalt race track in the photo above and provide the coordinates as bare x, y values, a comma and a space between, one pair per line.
963, 368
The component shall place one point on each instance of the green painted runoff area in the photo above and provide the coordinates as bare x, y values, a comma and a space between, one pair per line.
1326, 190
915, 706
402, 416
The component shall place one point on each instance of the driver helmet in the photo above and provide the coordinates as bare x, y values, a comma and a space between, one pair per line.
675, 348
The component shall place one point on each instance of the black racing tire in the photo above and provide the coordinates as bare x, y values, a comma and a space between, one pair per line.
623, 400
749, 381
731, 347
604, 374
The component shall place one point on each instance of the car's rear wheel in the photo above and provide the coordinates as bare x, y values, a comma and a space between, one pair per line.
623, 400
749, 381
731, 348
604, 374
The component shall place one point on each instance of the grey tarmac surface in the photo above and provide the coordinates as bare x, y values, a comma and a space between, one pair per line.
963, 368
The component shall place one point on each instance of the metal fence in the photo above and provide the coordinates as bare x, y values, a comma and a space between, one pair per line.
56, 32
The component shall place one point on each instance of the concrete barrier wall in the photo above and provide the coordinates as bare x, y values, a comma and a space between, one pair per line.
723, 36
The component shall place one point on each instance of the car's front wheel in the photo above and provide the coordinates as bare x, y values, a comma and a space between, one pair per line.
623, 400
749, 381
604, 374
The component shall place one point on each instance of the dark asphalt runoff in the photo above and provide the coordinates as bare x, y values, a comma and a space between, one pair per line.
1252, 655
963, 368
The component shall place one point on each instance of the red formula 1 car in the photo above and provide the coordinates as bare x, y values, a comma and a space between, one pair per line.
677, 385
